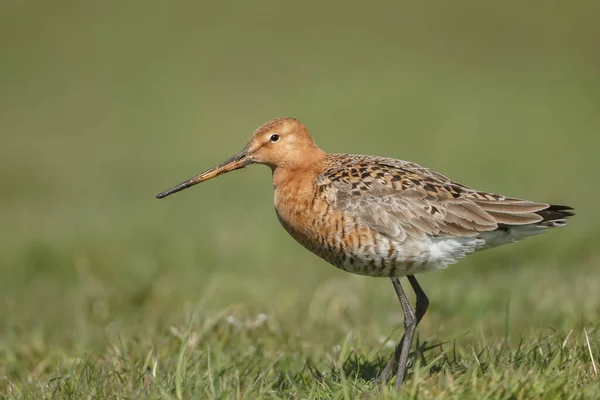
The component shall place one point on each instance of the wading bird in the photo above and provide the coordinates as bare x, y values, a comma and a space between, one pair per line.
379, 216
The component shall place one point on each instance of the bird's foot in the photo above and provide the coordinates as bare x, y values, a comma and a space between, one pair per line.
386, 373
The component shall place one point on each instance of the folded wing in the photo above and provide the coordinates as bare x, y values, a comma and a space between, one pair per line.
401, 199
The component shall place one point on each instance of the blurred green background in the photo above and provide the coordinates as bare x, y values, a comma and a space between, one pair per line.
103, 104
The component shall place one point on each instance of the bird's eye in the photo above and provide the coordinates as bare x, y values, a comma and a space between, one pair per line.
274, 138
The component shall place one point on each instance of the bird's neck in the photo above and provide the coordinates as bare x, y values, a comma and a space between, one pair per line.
299, 174
294, 189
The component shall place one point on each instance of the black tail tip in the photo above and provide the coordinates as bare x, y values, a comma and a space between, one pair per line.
556, 212
564, 210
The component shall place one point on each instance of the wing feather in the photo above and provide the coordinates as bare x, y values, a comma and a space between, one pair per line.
400, 199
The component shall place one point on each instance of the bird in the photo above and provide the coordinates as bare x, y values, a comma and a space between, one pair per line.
379, 216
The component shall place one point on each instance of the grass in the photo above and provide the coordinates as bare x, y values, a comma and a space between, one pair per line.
108, 293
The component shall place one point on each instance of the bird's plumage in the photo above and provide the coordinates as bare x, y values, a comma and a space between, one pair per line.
402, 199
381, 216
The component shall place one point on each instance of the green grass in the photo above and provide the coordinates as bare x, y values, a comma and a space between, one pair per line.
106, 292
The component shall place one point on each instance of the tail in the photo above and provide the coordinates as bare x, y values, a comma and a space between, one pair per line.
551, 216
554, 216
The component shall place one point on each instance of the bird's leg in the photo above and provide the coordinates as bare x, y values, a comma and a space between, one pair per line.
422, 300
400, 356
410, 324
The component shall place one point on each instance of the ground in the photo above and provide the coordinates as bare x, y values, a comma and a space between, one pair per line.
107, 292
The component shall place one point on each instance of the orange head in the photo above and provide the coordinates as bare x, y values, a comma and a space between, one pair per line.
278, 143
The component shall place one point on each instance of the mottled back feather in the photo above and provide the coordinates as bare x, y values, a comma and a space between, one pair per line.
401, 199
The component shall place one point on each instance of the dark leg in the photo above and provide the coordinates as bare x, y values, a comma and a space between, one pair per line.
422, 300
411, 320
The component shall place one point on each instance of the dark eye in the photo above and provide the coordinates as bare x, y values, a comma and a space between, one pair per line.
274, 138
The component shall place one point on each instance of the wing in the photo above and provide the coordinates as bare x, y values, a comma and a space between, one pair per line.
401, 199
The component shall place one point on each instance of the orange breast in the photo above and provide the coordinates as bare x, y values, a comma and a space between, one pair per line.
333, 235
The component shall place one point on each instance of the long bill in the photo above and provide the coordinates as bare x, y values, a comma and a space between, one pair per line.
238, 161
